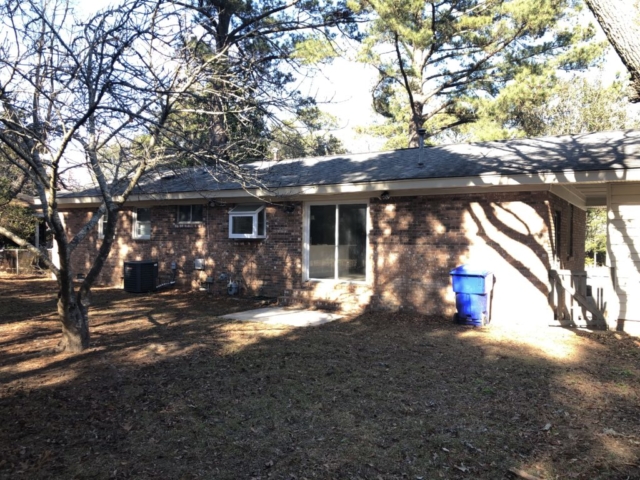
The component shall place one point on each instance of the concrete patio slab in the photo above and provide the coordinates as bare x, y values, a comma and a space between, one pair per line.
284, 316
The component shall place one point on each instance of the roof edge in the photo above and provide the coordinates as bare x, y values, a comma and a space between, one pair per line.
566, 177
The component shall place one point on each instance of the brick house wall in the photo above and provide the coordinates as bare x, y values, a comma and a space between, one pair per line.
414, 241
417, 241
267, 266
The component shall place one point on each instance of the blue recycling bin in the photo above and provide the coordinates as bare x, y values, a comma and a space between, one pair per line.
472, 286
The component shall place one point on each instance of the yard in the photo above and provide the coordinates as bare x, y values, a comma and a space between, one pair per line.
168, 390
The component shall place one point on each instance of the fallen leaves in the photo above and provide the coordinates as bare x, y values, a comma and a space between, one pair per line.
407, 397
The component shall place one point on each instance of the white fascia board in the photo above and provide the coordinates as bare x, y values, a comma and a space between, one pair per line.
524, 181
570, 194
418, 192
201, 197
597, 202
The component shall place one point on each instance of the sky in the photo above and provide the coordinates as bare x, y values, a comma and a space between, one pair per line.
343, 89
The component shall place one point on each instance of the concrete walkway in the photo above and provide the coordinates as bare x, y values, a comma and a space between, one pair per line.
284, 316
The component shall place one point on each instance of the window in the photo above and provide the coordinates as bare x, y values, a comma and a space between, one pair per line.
247, 221
102, 223
142, 223
337, 236
190, 214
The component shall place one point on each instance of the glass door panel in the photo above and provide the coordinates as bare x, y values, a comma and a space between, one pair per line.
352, 242
322, 241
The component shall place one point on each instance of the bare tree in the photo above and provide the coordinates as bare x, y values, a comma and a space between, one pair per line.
102, 93
620, 20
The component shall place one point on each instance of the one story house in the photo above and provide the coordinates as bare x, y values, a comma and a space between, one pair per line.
383, 230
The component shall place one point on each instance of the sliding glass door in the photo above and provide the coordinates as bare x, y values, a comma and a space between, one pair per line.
338, 242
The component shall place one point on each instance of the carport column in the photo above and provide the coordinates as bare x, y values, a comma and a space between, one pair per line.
613, 303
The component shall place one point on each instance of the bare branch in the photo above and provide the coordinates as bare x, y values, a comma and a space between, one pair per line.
42, 254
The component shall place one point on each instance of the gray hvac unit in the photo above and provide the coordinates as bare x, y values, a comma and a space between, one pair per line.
140, 277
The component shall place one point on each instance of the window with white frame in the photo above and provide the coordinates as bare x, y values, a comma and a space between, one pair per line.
190, 214
337, 240
142, 223
102, 224
247, 221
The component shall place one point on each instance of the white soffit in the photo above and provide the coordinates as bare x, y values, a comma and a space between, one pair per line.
570, 194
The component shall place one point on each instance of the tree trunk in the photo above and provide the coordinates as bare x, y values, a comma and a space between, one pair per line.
416, 124
620, 21
75, 324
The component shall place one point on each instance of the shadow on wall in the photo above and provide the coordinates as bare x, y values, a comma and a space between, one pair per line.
417, 241
623, 235
267, 266
416, 245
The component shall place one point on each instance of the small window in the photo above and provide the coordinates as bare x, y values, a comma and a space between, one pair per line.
102, 223
190, 214
247, 221
142, 224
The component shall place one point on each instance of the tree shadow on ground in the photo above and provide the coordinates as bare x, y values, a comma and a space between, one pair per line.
168, 390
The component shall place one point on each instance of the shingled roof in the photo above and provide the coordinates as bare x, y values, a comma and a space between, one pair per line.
571, 153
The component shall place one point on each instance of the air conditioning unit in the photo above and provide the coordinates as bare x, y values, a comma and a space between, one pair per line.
140, 277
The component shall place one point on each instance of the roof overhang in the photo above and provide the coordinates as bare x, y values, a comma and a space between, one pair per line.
566, 184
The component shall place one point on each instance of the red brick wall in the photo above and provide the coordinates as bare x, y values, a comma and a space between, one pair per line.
267, 266
414, 243
417, 241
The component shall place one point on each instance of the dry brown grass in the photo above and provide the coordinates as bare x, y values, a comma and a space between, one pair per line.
168, 390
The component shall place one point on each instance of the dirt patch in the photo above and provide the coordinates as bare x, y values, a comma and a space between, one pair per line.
169, 390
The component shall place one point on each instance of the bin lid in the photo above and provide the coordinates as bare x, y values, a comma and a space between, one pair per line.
470, 271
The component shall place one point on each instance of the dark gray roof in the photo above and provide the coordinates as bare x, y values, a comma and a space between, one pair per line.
588, 152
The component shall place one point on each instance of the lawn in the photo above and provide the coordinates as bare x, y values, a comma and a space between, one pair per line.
169, 391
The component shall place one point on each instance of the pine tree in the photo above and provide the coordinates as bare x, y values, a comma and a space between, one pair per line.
438, 61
